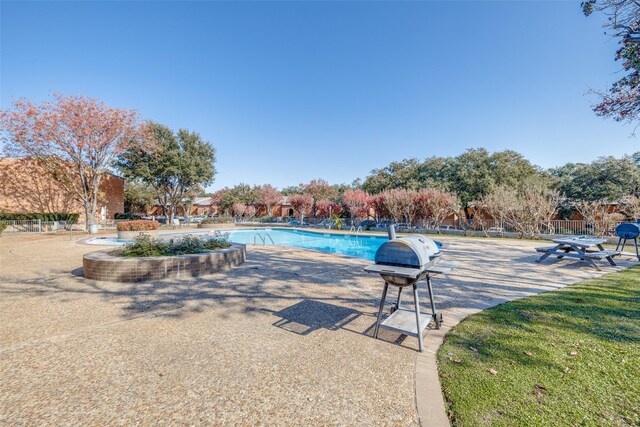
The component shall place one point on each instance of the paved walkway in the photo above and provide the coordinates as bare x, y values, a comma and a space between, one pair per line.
284, 339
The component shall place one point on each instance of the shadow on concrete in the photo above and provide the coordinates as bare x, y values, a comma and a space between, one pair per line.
307, 316
310, 290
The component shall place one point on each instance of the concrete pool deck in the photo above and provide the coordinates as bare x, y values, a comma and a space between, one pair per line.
284, 339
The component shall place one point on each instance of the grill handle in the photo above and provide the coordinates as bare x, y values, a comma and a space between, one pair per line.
392, 232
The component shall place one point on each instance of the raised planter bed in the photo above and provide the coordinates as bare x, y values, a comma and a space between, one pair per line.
103, 265
130, 235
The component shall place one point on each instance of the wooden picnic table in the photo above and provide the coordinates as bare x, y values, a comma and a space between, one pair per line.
588, 249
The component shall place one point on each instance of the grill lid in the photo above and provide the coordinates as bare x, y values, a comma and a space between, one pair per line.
628, 230
414, 251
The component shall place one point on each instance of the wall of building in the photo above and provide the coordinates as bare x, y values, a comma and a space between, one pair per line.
26, 187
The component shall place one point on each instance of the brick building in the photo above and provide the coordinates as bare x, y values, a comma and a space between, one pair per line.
26, 187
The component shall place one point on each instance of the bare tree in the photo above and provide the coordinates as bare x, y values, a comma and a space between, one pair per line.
597, 216
400, 204
631, 207
528, 211
434, 206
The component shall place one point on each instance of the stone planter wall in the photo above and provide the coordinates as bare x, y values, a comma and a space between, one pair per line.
103, 265
130, 235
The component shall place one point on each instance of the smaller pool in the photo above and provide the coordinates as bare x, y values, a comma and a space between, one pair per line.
364, 247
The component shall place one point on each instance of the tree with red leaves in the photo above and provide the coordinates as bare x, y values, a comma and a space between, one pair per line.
301, 204
250, 212
271, 198
239, 209
327, 208
358, 203
379, 205
422, 200
75, 138
401, 204
319, 189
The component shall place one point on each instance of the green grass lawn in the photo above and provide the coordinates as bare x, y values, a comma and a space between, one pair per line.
569, 357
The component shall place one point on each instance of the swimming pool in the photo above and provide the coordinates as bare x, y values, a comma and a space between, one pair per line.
364, 247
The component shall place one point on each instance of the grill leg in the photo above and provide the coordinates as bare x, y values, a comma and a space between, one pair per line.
384, 297
618, 245
417, 304
636, 242
397, 307
436, 317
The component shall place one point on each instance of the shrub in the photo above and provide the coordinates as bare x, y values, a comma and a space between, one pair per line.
144, 246
127, 215
187, 245
43, 216
217, 220
3, 226
216, 243
138, 225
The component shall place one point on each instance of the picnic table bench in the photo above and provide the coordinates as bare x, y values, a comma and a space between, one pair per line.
588, 249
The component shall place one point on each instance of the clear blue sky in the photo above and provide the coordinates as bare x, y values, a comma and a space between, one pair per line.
290, 91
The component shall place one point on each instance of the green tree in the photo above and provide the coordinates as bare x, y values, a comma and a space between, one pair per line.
470, 175
246, 194
138, 196
180, 162
242, 193
607, 178
224, 199
403, 174
340, 190
435, 172
291, 190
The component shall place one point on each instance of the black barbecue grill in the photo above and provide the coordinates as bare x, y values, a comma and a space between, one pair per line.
628, 231
405, 262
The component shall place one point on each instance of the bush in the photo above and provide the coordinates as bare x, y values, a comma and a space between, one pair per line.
215, 243
138, 225
127, 215
52, 216
187, 245
217, 220
3, 226
144, 246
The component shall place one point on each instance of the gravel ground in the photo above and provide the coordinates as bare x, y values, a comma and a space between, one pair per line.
284, 339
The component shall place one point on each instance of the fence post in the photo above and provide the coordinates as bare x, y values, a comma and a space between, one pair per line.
39, 226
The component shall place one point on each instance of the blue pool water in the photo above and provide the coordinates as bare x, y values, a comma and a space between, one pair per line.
364, 247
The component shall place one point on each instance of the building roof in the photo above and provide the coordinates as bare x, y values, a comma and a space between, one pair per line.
202, 201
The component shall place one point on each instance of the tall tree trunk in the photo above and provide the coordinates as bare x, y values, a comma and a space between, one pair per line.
87, 214
94, 198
